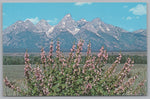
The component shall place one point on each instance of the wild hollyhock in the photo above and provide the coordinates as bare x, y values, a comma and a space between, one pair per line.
77, 75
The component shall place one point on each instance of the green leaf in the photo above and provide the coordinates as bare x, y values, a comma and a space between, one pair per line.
63, 86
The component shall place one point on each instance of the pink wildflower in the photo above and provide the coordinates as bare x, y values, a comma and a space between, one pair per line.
89, 49
58, 49
50, 53
88, 86
27, 65
45, 91
38, 73
43, 58
26, 57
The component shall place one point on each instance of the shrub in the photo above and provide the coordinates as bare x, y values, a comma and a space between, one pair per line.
71, 76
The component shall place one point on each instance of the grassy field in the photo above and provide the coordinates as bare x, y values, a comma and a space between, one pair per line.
16, 73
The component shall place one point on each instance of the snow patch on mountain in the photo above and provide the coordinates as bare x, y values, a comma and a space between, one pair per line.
76, 30
101, 28
107, 29
49, 31
116, 37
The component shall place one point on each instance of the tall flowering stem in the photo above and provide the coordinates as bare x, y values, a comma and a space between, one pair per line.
89, 50
50, 59
27, 68
13, 87
78, 54
112, 69
71, 54
50, 55
43, 60
58, 55
124, 87
58, 49
125, 70
27, 71
123, 73
102, 57
43, 57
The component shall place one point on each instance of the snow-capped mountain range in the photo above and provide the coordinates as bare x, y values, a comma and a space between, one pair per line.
24, 35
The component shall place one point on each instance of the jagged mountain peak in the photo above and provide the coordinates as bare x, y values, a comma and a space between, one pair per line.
28, 21
67, 24
141, 31
28, 24
19, 22
67, 15
97, 21
95, 25
67, 18
83, 20
43, 26
43, 23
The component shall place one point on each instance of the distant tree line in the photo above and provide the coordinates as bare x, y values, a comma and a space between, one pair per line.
137, 59
19, 60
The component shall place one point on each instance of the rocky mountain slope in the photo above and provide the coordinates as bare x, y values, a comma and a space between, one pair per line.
24, 35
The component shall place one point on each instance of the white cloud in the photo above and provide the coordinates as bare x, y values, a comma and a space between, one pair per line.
129, 18
33, 20
36, 20
139, 10
52, 21
82, 3
125, 6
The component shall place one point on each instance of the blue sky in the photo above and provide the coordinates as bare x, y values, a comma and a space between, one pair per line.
129, 16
